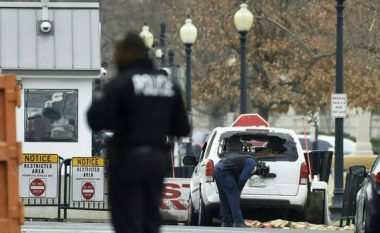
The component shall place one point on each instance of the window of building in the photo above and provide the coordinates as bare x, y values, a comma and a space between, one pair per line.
51, 115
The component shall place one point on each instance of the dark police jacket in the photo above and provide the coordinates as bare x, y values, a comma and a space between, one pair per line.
141, 106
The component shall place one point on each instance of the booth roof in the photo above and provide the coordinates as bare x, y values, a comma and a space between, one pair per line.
73, 43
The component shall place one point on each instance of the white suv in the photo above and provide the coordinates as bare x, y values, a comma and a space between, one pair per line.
284, 188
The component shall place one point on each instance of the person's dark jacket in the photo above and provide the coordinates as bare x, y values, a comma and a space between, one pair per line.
141, 106
234, 161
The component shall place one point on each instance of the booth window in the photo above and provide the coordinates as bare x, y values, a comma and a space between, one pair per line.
51, 115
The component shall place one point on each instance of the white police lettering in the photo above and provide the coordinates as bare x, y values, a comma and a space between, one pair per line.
149, 85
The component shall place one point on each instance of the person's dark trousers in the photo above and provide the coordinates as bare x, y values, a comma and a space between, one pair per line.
229, 195
246, 173
230, 188
136, 188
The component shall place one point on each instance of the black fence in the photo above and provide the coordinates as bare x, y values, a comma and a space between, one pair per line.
320, 163
353, 185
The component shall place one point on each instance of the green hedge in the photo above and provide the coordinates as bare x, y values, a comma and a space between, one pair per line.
375, 145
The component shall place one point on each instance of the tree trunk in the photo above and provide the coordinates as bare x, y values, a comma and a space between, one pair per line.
264, 112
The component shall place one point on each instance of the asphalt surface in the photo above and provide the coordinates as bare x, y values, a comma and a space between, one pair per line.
59, 227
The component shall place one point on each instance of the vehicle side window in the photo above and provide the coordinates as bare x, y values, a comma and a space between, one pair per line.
208, 148
202, 152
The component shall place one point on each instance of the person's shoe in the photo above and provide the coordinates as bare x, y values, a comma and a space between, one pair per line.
226, 224
241, 225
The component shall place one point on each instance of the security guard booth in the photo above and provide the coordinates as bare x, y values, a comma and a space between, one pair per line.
54, 49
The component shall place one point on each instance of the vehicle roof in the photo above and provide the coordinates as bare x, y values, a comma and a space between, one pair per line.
243, 129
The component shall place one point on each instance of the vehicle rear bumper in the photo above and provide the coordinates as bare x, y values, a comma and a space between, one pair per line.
297, 202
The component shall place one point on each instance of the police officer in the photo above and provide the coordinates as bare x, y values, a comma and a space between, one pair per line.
142, 107
231, 173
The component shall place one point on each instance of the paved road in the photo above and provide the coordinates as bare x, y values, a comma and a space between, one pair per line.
54, 227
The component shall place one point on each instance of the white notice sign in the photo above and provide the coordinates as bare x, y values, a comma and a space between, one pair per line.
87, 174
38, 175
338, 105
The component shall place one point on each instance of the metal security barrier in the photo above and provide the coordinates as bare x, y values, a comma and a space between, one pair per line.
45, 202
30, 201
353, 184
69, 197
320, 164
66, 200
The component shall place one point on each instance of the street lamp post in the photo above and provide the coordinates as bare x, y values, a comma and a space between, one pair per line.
147, 36
172, 67
188, 78
243, 20
171, 54
188, 35
337, 201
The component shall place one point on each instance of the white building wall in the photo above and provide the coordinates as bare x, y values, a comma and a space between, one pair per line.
64, 149
73, 43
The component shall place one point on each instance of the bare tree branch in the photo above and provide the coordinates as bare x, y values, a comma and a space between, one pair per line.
311, 53
292, 34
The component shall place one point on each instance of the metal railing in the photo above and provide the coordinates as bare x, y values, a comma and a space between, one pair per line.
48, 202
353, 185
64, 201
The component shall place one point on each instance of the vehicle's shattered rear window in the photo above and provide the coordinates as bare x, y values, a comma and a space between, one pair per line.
265, 146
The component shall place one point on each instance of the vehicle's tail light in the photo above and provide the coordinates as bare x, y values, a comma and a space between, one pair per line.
377, 178
304, 173
209, 171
